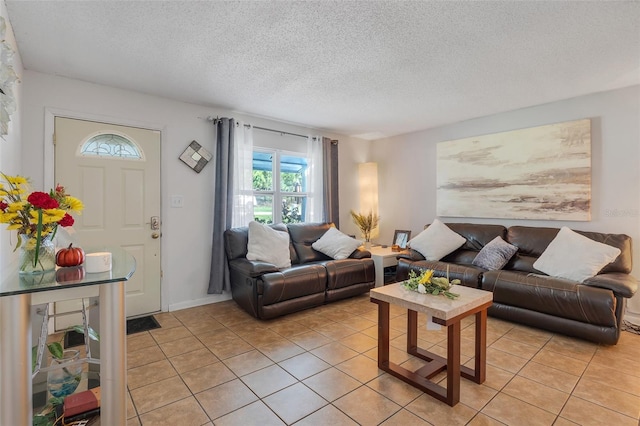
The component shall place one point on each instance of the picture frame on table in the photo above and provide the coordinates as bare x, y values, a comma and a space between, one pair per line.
401, 237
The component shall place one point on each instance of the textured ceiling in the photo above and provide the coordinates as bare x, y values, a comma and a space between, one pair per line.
371, 69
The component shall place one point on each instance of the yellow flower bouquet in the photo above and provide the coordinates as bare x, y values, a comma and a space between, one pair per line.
426, 283
36, 217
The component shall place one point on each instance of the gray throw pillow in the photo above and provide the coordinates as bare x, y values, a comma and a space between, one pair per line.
495, 255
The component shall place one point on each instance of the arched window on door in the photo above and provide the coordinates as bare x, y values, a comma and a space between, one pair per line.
111, 145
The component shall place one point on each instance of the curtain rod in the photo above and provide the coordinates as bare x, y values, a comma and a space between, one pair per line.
277, 131
282, 132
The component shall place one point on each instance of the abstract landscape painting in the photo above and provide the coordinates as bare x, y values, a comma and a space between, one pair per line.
536, 173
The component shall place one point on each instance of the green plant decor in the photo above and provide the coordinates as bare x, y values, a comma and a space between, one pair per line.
426, 283
47, 416
55, 348
366, 223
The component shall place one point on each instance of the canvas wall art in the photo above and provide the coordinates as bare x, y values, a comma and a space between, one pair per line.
539, 173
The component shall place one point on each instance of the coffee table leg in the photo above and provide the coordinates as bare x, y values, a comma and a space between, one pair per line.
412, 331
383, 334
453, 363
481, 347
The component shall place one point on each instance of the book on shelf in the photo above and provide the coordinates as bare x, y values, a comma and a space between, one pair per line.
81, 405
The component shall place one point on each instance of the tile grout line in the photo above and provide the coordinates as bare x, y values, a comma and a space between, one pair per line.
332, 340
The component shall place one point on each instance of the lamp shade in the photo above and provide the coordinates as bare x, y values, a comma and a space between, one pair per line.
368, 177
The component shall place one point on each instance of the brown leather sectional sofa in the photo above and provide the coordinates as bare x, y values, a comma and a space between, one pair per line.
591, 310
313, 279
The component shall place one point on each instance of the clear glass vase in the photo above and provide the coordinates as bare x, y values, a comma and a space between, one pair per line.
65, 377
44, 261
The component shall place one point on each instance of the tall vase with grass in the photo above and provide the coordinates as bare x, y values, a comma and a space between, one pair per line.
366, 222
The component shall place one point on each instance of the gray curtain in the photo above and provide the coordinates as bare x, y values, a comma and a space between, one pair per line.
330, 167
223, 204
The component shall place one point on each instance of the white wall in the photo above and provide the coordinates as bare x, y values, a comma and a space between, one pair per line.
186, 241
407, 166
10, 160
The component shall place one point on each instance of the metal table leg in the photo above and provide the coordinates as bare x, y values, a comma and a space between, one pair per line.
15, 360
113, 354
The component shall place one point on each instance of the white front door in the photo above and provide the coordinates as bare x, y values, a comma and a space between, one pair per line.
115, 171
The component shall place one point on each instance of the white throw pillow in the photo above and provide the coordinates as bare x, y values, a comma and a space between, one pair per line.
437, 241
268, 245
335, 244
574, 256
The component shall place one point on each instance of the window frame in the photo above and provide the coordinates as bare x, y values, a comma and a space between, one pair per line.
276, 192
88, 139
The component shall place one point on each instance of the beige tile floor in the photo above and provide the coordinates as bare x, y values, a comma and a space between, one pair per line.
215, 364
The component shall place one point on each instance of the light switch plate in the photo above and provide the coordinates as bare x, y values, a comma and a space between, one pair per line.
177, 201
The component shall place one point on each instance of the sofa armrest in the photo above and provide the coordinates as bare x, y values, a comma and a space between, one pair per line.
252, 268
621, 284
360, 253
410, 254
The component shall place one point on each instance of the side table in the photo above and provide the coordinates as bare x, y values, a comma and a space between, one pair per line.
383, 258
19, 293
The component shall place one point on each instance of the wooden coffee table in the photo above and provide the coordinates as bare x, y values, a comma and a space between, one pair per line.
446, 312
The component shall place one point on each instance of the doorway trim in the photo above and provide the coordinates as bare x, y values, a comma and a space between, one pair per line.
50, 113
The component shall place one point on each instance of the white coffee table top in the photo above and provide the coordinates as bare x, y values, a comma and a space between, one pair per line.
438, 306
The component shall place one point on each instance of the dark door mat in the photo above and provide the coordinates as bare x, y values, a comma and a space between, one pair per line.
73, 338
135, 325
138, 325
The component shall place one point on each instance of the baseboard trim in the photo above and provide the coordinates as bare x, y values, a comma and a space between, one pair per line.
214, 298
630, 327
632, 317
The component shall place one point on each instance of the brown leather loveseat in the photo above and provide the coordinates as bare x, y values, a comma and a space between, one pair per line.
313, 279
591, 310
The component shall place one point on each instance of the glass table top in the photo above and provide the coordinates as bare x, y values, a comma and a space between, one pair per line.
12, 283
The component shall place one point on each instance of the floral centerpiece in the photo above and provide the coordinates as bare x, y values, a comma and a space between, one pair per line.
426, 283
36, 217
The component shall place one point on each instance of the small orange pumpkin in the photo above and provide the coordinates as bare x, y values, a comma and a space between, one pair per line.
70, 256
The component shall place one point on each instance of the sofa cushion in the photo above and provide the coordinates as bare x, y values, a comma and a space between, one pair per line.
437, 241
335, 244
495, 255
268, 245
574, 256
297, 281
347, 272
623, 262
552, 296
477, 235
532, 242
303, 235
236, 241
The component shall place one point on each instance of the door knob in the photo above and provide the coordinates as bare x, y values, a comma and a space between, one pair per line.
155, 235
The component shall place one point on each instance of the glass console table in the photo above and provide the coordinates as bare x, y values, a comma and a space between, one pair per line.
17, 295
